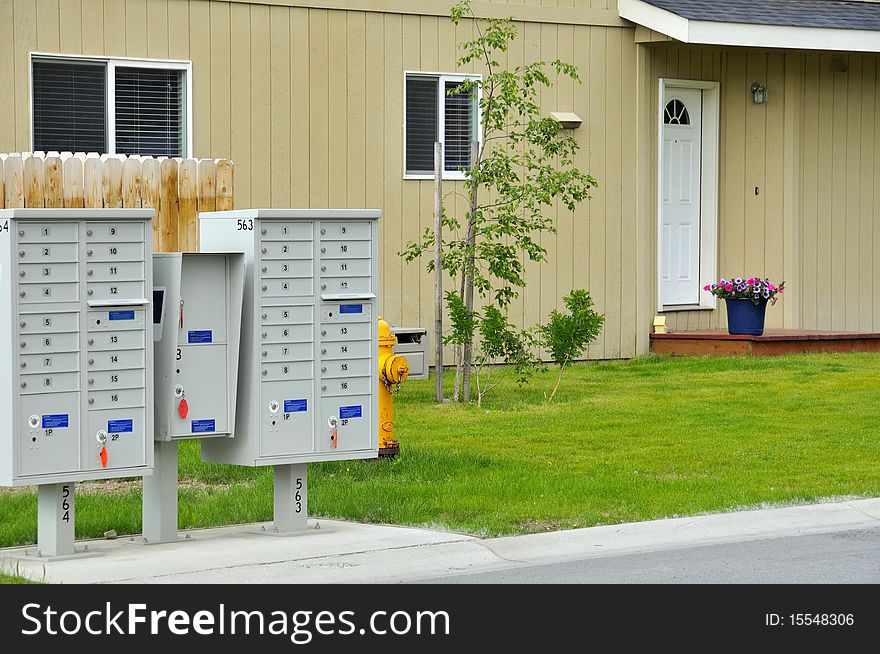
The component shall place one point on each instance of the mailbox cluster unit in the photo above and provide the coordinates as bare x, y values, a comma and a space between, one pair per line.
76, 342
308, 380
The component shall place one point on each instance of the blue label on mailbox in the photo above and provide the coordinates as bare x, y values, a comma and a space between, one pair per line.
122, 315
204, 336
355, 411
119, 426
55, 421
351, 308
295, 406
202, 426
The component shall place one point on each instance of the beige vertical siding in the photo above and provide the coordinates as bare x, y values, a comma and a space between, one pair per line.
307, 98
812, 153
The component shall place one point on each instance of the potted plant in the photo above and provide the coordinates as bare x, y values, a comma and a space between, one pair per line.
746, 302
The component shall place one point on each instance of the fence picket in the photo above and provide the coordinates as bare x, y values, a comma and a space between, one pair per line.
176, 188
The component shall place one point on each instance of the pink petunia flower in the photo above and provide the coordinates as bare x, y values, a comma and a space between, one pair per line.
729, 287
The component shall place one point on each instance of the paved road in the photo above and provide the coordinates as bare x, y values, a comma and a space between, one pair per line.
851, 556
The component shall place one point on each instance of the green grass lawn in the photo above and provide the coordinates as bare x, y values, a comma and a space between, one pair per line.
625, 440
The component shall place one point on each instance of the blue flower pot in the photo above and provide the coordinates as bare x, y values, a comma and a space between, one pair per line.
744, 317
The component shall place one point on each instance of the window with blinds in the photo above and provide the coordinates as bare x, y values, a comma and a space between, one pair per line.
432, 114
75, 110
70, 106
149, 112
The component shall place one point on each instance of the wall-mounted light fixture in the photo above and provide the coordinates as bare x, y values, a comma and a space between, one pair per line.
759, 92
568, 120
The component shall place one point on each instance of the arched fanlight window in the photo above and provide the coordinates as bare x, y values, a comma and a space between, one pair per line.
676, 113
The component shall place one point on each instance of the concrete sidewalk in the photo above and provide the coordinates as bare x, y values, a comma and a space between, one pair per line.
344, 552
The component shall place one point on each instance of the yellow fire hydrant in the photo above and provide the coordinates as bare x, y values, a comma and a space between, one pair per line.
393, 370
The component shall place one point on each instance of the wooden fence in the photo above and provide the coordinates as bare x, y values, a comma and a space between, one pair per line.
177, 188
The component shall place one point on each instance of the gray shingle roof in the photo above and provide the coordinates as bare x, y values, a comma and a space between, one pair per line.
841, 14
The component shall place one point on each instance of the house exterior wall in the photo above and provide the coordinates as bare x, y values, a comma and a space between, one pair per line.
306, 96
308, 102
813, 151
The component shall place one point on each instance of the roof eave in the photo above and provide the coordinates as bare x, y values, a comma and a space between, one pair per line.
747, 35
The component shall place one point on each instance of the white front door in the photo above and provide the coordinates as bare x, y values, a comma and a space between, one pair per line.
680, 196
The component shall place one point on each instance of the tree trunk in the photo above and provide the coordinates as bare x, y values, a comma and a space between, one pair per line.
438, 271
468, 354
558, 380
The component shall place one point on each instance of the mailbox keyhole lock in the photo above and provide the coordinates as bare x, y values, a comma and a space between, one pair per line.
332, 421
274, 406
34, 422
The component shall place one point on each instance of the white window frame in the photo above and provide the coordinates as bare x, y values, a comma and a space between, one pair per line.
112, 63
709, 152
442, 78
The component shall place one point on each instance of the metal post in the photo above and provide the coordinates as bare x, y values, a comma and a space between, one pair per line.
160, 495
438, 271
55, 520
291, 495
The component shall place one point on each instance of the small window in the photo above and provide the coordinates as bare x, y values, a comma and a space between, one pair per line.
110, 106
435, 112
676, 113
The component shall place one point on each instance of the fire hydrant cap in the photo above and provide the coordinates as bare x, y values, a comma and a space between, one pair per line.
386, 338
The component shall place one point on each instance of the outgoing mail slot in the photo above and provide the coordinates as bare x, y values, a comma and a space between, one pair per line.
286, 287
42, 323
346, 285
346, 267
346, 230
345, 368
109, 291
284, 371
344, 249
285, 352
345, 350
101, 341
288, 334
50, 362
349, 311
345, 386
286, 250
116, 320
109, 232
106, 380
286, 268
132, 397
287, 315
47, 232
64, 382
115, 252
115, 271
49, 343
276, 231
48, 272
116, 360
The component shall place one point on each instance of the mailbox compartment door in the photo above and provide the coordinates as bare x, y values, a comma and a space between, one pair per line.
287, 417
204, 381
49, 433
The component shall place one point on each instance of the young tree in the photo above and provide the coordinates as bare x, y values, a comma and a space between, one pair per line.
523, 165
566, 336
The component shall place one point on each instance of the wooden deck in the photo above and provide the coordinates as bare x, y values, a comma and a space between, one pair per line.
772, 343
